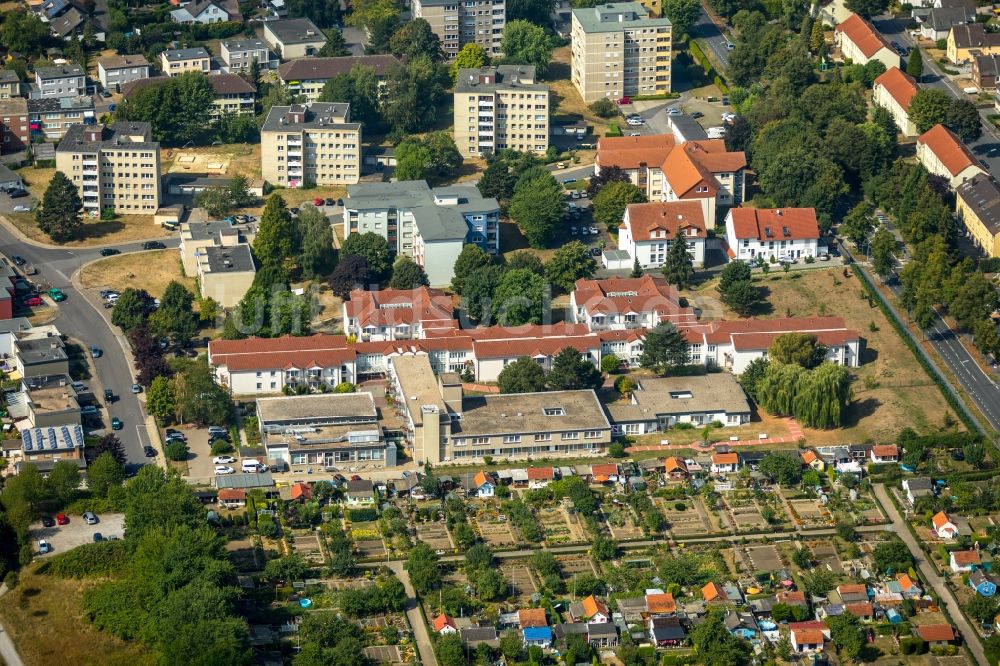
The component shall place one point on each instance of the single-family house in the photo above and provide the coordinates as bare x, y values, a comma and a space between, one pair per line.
862, 610
917, 487
532, 617
812, 461
481, 485
294, 38
935, 635
985, 71
806, 640
676, 469
965, 42
360, 491
603, 472
444, 625
938, 22
472, 637
589, 610
884, 453
892, 91
725, 463
792, 598
666, 631
660, 603
539, 636
965, 560
944, 154
860, 42
944, 527
602, 634
202, 12
983, 583
853, 593
539, 477
908, 587
232, 498
773, 234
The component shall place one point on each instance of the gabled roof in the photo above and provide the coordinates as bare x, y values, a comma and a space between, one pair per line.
949, 149
940, 519
673, 463
661, 603
863, 35
808, 636
964, 558
541, 473
809, 456
442, 621
905, 582
885, 450
604, 469
933, 633
532, 617
673, 218
725, 458
900, 86
232, 494
696, 162
591, 607
973, 35
481, 479
711, 591
618, 295
861, 609
631, 152
772, 224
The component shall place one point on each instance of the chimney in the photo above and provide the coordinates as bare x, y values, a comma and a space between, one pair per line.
778, 212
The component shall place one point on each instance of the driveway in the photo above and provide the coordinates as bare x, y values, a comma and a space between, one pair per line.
416, 618
77, 532
929, 574
199, 460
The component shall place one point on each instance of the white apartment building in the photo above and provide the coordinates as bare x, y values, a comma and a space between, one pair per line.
429, 225
618, 51
500, 107
315, 144
861, 43
178, 61
627, 303
944, 154
117, 70
893, 91
113, 166
648, 231
775, 234
461, 22
398, 314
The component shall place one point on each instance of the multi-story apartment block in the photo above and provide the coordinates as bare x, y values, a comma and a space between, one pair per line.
781, 234
860, 42
501, 107
977, 204
59, 81
114, 71
233, 95
892, 91
307, 76
618, 51
316, 144
294, 38
944, 154
649, 229
10, 84
627, 303
398, 314
429, 225
461, 22
14, 128
178, 61
113, 166
239, 54
52, 117
442, 424
225, 272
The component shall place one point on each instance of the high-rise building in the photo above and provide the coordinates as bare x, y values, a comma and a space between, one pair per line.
316, 144
618, 51
461, 22
501, 107
113, 166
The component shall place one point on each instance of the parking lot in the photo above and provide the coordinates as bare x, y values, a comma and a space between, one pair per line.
77, 532
8, 204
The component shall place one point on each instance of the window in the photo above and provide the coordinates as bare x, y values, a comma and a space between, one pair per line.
592, 434
511, 439
546, 437
571, 435
555, 411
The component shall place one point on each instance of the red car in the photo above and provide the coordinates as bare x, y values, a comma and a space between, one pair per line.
62, 519
31, 301
317, 202
625, 100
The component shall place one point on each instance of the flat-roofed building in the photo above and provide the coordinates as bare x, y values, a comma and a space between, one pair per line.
444, 424
333, 429
45, 401
175, 62
225, 273
893, 91
977, 204
52, 117
618, 51
658, 403
315, 144
196, 236
52, 443
944, 154
113, 166
308, 76
239, 54
294, 38
468, 22
117, 70
500, 107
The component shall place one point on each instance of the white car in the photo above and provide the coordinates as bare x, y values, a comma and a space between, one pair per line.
716, 132
224, 469
728, 117
635, 133
223, 460
730, 46
674, 111
44, 547
634, 121
21, 209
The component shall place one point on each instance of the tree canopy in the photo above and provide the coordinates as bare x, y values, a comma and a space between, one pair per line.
59, 216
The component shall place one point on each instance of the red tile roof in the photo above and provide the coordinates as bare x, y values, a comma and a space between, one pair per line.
860, 609
725, 458
269, 345
667, 218
629, 152
673, 463
964, 558
885, 450
303, 490
809, 457
533, 347
755, 222
661, 603
532, 617
863, 35
808, 636
696, 162
900, 86
591, 607
442, 621
232, 494
712, 591
617, 295
393, 307
933, 633
940, 519
541, 473
604, 469
948, 148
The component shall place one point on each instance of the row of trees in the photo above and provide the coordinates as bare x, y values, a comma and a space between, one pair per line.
569, 372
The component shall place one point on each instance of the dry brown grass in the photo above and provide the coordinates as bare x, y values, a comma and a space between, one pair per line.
124, 229
297, 196
566, 96
151, 271
903, 394
242, 159
45, 617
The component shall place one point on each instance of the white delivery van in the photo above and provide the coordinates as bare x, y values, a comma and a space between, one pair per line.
252, 466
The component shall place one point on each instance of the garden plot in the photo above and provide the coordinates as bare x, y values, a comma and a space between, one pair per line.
383, 654
559, 527
682, 523
306, 543
370, 549
338, 584
826, 554
434, 535
495, 533
810, 512
242, 555
621, 524
521, 582
456, 578
745, 514
765, 558
575, 564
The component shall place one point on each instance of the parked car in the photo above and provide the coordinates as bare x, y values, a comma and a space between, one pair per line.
318, 201
172, 431
595, 251
47, 521
98, 537
573, 231
31, 301
44, 547
218, 431
675, 111
116, 423
697, 114
110, 251
57, 295
88, 410
294, 211
153, 245
634, 121
96, 351
176, 437
62, 519
624, 100
224, 469
18, 260
21, 209
223, 460
330, 202
17, 193
90, 518
136, 388
730, 46
728, 117
149, 451
593, 231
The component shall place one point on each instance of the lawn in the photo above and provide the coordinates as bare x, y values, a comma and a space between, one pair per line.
568, 105
94, 232
891, 390
151, 271
44, 617
225, 159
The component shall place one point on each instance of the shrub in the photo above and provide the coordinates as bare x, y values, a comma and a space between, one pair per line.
624, 384
680, 506
616, 450
221, 446
604, 107
613, 130
89, 560
362, 515
176, 450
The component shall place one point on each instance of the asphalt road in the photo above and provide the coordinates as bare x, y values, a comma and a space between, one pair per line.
79, 318
705, 30
987, 146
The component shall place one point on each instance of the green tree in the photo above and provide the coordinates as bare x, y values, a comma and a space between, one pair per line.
63, 481
752, 375
678, 269
175, 316
743, 297
450, 650
359, 88
603, 108
178, 109
316, 258
538, 209
713, 644
928, 108
413, 91
610, 363
975, 454
733, 272
407, 274
571, 372
982, 609
374, 249
858, 224
568, 264
131, 309
777, 389
526, 43
822, 400
963, 119
379, 18
276, 238
24, 32
422, 565
525, 260
915, 64
637, 271
845, 632
434, 158
414, 39
215, 201
198, 399
470, 259
801, 349
511, 646
892, 556
104, 473
817, 39
478, 290
288, 568
612, 200
522, 376
866, 9
883, 249
472, 56
665, 347
519, 298
682, 14
59, 215
603, 548
336, 45
785, 469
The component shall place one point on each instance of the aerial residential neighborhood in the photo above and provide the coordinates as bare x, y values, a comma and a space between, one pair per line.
537, 333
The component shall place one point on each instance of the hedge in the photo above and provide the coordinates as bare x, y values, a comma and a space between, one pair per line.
103, 558
700, 57
905, 335
362, 515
